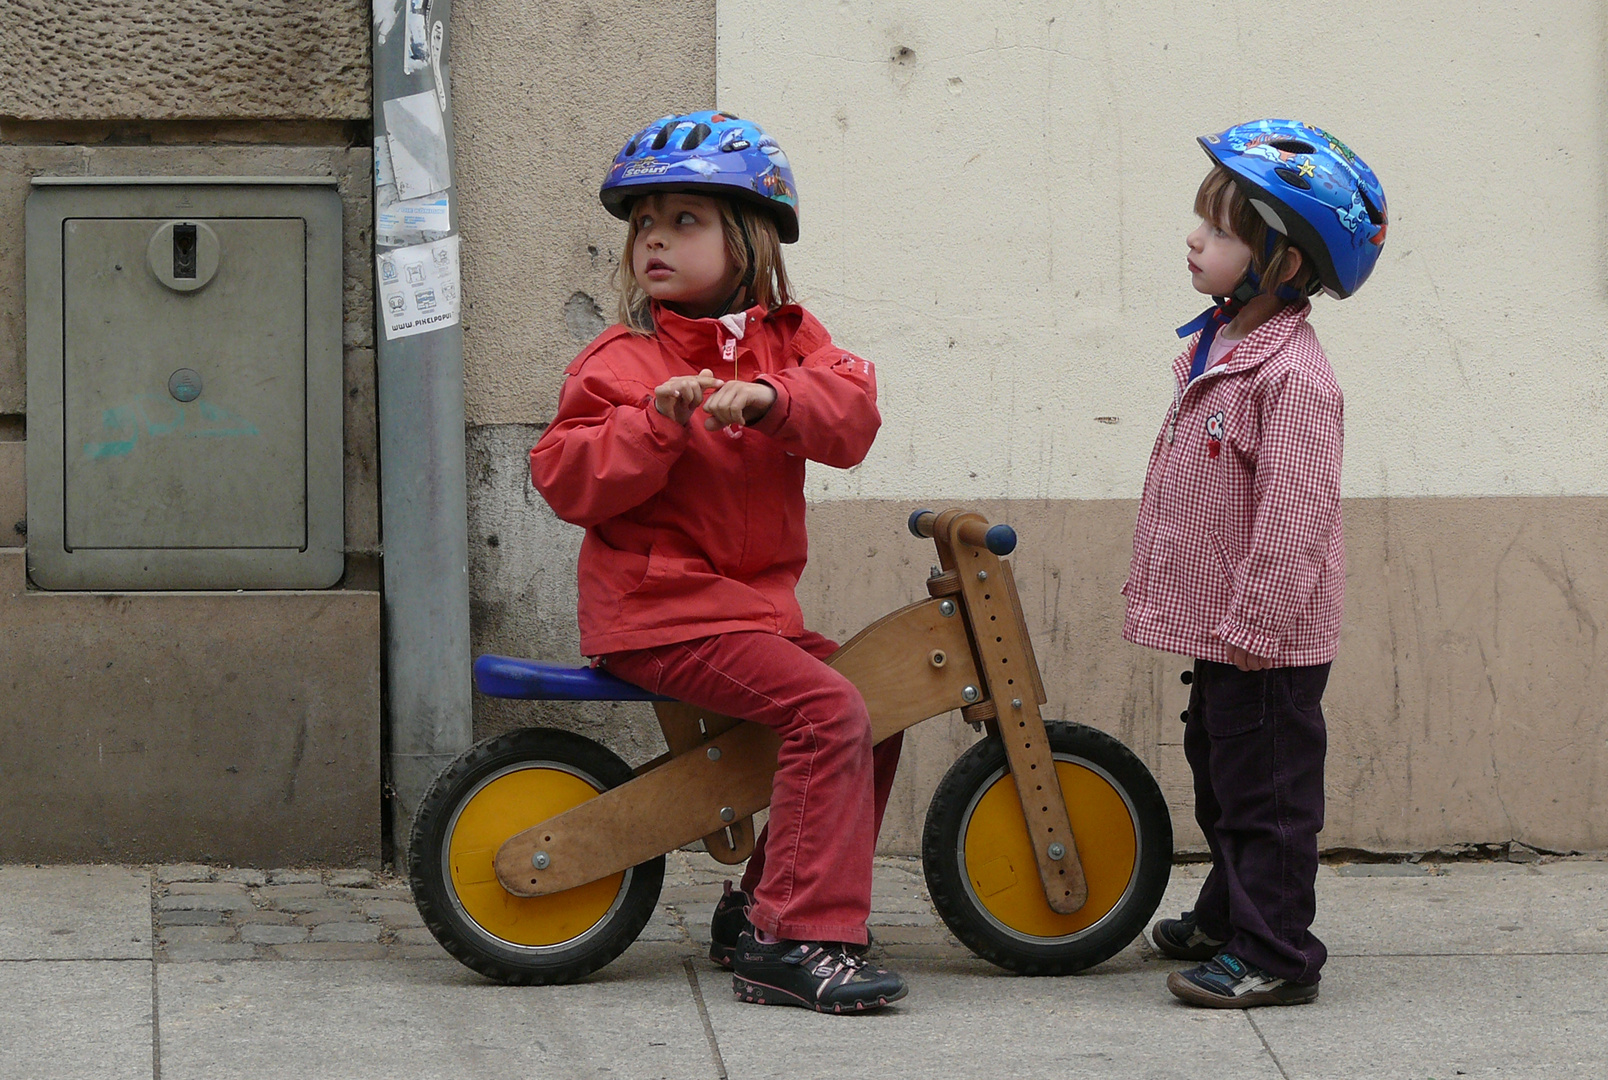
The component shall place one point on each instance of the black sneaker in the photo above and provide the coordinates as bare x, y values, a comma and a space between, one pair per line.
823, 976
1182, 939
731, 919
729, 922
1227, 982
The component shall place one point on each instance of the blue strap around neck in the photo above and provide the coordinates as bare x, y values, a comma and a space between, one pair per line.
1208, 323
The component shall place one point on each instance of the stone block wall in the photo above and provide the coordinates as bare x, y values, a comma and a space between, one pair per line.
242, 726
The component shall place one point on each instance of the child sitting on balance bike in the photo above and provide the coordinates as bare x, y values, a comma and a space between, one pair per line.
679, 444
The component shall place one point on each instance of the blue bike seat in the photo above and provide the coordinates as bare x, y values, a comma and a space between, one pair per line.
538, 680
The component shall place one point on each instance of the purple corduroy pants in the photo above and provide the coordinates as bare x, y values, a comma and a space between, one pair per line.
1255, 742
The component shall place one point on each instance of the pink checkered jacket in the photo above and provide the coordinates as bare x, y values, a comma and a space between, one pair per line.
1239, 537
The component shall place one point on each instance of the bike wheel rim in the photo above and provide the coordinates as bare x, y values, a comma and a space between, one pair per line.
535, 925
1000, 875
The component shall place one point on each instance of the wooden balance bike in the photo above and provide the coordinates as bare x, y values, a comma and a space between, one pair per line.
538, 856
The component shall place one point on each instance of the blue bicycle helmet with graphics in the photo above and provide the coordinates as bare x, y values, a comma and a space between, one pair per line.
705, 153
1312, 188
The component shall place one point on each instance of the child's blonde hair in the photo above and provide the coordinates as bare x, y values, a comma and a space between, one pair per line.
1222, 201
753, 246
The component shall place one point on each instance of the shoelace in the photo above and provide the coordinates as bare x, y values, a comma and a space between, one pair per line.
836, 967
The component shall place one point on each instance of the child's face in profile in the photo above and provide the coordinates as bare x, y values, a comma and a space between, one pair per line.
1217, 259
679, 254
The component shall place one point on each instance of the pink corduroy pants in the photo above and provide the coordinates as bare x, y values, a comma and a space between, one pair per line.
810, 874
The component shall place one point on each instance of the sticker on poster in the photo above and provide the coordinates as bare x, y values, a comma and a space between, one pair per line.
416, 42
385, 12
419, 288
430, 214
383, 173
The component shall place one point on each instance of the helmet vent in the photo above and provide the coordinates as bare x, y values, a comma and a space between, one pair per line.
631, 148
1293, 178
663, 137
1293, 146
695, 137
1375, 215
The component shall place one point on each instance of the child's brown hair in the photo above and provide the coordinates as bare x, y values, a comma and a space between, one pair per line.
1222, 201
752, 245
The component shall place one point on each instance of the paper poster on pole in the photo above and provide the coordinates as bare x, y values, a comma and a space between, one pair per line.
419, 288
417, 136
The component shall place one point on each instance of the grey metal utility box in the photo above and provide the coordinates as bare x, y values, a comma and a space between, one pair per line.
184, 383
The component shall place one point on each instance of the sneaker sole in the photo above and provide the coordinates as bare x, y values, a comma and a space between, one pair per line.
1187, 991
758, 993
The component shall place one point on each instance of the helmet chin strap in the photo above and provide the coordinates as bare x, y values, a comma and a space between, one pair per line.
1220, 314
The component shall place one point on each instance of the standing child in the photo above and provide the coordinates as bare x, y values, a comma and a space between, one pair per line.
680, 444
1238, 557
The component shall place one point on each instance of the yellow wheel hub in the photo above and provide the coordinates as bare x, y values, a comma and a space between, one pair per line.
1004, 874
511, 803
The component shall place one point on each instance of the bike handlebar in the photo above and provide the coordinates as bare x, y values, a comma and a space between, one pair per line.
1000, 539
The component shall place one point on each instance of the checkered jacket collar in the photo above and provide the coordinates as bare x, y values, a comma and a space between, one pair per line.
1258, 345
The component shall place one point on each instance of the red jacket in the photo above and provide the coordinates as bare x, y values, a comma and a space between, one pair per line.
692, 532
1239, 536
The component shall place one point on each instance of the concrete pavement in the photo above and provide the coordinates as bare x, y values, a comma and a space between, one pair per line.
1465, 969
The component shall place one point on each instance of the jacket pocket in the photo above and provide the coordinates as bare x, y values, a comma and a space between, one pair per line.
1224, 561
656, 568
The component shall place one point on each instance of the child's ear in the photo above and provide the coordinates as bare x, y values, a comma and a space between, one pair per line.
1294, 259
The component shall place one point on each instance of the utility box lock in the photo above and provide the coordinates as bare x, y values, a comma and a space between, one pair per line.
184, 383
184, 254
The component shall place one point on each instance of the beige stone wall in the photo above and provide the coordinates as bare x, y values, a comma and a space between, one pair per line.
92, 60
13, 496
544, 97
234, 727
229, 727
1465, 704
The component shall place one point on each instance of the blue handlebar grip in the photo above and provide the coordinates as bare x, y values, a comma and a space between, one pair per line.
1001, 539
915, 524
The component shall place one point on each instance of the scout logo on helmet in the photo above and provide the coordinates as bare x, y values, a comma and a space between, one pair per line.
705, 153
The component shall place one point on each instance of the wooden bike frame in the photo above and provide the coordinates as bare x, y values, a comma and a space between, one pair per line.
966, 648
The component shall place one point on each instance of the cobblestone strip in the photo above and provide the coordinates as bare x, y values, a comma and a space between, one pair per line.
204, 912
225, 913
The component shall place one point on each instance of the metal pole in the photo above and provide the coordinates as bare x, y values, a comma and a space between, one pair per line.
419, 353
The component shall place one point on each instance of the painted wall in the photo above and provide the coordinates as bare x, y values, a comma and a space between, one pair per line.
994, 199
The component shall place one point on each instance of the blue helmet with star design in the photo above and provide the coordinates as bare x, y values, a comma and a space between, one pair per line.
1311, 187
705, 153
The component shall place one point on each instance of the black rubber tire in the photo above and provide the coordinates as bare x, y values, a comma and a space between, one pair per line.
431, 877
957, 901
